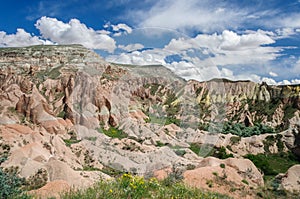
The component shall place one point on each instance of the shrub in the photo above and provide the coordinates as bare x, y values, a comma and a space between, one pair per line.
10, 184
69, 142
180, 152
160, 144
37, 180
195, 148
113, 132
235, 139
245, 182
272, 164
241, 130
221, 153
261, 162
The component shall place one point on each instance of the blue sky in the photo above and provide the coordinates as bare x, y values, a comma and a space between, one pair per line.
197, 39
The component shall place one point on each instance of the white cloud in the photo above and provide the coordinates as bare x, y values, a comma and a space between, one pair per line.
140, 58
21, 38
285, 32
229, 48
131, 47
205, 56
74, 32
289, 82
273, 74
122, 26
289, 21
189, 70
269, 81
205, 15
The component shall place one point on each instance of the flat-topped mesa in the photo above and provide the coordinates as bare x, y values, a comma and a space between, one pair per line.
46, 56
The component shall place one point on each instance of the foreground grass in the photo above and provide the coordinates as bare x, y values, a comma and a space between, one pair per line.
128, 186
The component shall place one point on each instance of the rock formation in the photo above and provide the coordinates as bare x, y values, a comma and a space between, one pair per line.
64, 110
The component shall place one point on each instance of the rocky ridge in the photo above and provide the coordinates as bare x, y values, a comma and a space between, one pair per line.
65, 110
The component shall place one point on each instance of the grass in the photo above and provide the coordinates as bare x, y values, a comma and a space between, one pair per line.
113, 132
134, 187
160, 144
69, 142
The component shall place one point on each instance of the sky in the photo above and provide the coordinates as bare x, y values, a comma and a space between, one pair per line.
196, 39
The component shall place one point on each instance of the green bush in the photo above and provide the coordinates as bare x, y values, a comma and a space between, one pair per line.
10, 184
69, 142
209, 150
262, 163
272, 164
221, 153
235, 139
240, 129
245, 182
195, 147
113, 132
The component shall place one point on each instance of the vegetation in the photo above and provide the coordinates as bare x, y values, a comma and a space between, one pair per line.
160, 144
221, 153
52, 73
69, 142
62, 114
134, 187
92, 139
262, 108
235, 140
113, 132
208, 150
245, 182
37, 180
273, 164
10, 185
271, 140
111, 171
163, 120
238, 129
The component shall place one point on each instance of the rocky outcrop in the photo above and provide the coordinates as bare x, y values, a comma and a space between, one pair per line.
64, 110
291, 180
225, 176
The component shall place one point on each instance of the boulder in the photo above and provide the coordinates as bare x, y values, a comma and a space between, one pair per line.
291, 180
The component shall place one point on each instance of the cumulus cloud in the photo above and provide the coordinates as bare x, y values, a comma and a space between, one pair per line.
230, 48
122, 27
148, 57
131, 47
229, 55
289, 82
21, 38
74, 32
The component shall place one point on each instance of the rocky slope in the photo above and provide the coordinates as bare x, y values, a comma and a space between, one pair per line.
65, 111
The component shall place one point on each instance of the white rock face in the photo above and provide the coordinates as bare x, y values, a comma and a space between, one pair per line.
291, 180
